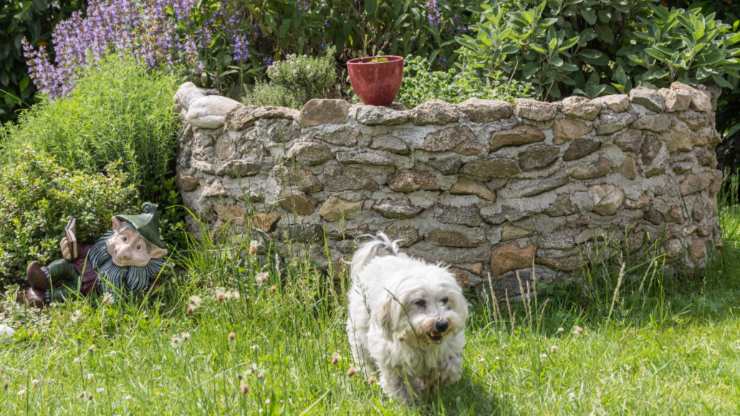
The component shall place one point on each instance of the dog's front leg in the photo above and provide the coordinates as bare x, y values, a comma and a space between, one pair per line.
395, 385
451, 368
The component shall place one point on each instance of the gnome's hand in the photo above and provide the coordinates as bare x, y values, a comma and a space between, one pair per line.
66, 249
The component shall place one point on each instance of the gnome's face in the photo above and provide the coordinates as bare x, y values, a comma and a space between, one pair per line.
129, 248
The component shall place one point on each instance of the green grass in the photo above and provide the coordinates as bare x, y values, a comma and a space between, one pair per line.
674, 351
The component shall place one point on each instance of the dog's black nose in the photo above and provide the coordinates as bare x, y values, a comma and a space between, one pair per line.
441, 326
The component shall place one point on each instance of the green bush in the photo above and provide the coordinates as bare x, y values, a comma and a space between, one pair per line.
37, 197
118, 110
595, 47
421, 83
296, 80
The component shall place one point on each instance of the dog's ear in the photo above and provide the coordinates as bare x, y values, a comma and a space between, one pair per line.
385, 315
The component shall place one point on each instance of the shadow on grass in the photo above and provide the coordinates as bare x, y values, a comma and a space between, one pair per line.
463, 398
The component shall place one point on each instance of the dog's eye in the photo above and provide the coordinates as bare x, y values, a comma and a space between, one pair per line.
444, 300
420, 303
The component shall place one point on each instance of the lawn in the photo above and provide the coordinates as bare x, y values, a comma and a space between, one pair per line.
281, 349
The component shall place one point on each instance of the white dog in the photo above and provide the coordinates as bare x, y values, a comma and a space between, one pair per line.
406, 320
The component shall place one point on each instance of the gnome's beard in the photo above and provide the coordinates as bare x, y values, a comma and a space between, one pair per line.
132, 278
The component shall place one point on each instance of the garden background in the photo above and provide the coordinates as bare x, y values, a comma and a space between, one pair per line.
86, 93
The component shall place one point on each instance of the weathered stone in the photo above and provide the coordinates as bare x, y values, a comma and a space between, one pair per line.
580, 148
541, 186
511, 232
538, 156
700, 100
653, 122
435, 112
186, 94
706, 157
465, 186
413, 180
187, 183
297, 202
535, 110
309, 152
485, 111
335, 209
375, 115
463, 215
369, 157
301, 233
580, 107
456, 237
561, 206
397, 208
265, 221
511, 256
698, 249
299, 177
566, 129
229, 214
629, 168
617, 103
434, 253
407, 233
674, 214
606, 199
648, 98
654, 216
239, 168
338, 178
209, 112
448, 165
679, 139
390, 144
447, 139
343, 135
515, 137
675, 100
613, 122
247, 116
694, 119
692, 184
595, 169
629, 140
488, 169
320, 111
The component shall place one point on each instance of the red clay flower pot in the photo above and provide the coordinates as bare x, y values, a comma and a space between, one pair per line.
376, 83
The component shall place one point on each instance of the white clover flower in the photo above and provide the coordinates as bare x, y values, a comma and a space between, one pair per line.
6, 331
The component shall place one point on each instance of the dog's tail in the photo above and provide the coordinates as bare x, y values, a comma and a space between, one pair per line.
380, 245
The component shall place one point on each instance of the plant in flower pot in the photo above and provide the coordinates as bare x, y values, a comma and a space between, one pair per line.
376, 79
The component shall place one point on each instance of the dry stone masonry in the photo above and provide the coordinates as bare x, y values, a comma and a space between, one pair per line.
485, 186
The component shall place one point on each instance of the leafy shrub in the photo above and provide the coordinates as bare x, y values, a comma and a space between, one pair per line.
296, 80
118, 111
37, 197
35, 21
421, 83
595, 47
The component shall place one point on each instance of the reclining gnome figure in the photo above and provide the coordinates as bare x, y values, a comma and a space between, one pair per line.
128, 257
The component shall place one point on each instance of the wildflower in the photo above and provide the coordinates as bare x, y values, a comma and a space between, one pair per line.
243, 388
6, 331
100, 390
89, 376
553, 349
91, 349
107, 299
232, 294
185, 336
76, 315
260, 375
335, 358
232, 336
220, 294
372, 380
561, 330
21, 392
261, 278
35, 382
193, 304
577, 330
351, 372
543, 356
253, 246
433, 15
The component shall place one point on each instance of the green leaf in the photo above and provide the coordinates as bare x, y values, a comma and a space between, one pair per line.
589, 16
721, 82
594, 57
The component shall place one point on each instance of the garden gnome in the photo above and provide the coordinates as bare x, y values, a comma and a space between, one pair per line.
128, 257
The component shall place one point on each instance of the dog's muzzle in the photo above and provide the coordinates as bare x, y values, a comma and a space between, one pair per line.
438, 332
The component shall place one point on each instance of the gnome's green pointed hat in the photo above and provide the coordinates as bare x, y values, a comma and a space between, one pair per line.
146, 223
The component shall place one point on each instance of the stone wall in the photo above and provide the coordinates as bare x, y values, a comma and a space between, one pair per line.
485, 186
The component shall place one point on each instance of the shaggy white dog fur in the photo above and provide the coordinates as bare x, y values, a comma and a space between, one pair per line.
406, 320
